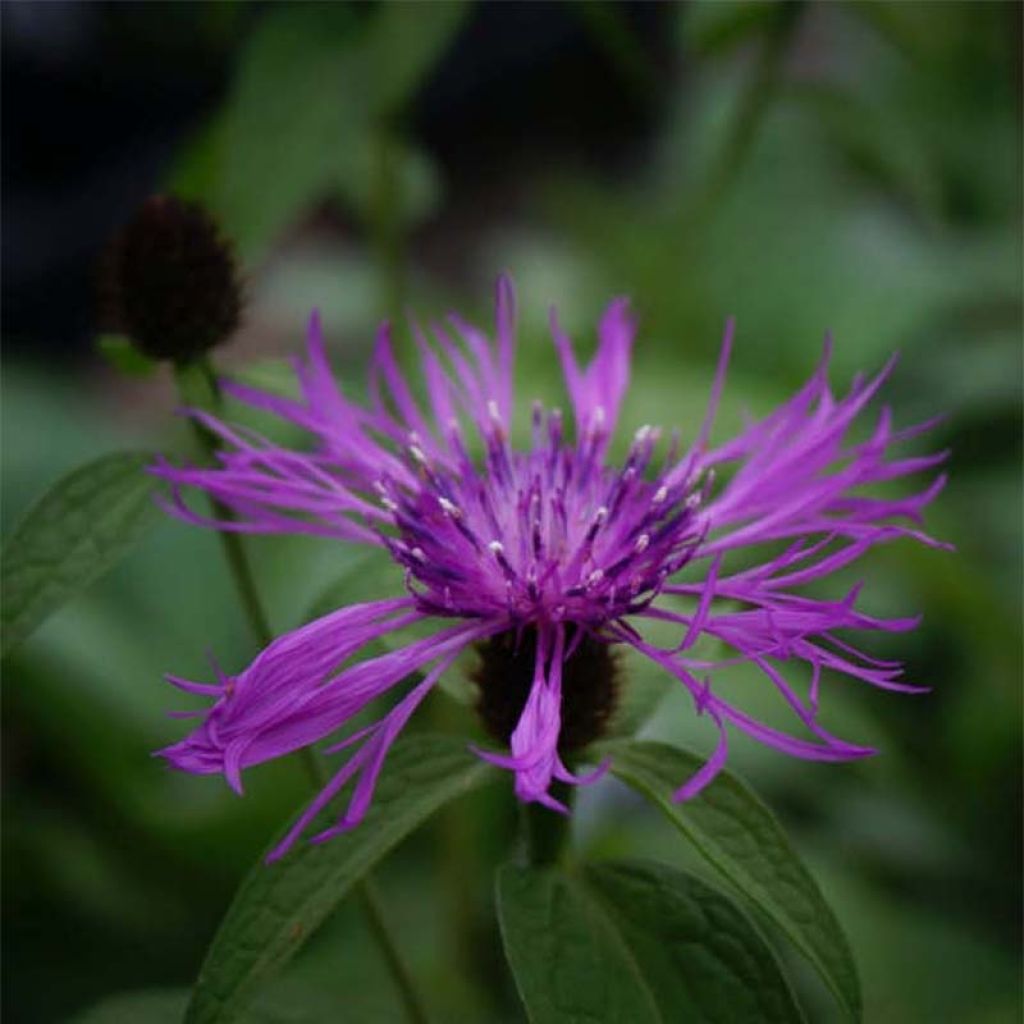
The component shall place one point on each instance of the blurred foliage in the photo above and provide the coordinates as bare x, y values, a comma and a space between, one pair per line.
871, 187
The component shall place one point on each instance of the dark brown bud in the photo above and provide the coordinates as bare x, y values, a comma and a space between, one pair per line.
590, 687
169, 281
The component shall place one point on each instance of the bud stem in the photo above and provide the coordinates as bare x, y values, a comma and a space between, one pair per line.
197, 386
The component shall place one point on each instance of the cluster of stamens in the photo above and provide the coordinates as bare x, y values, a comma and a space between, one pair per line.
547, 534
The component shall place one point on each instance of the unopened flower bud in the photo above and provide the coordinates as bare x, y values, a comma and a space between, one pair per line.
169, 281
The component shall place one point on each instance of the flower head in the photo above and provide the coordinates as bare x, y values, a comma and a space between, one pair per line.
546, 558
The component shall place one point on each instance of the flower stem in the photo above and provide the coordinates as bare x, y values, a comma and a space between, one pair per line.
546, 832
386, 217
197, 386
754, 100
367, 895
373, 911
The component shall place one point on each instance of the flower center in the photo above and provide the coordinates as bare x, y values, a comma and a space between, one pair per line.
548, 534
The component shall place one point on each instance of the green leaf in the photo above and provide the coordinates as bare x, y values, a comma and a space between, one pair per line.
278, 906
637, 943
295, 109
124, 357
417, 185
78, 530
405, 42
715, 29
315, 82
741, 838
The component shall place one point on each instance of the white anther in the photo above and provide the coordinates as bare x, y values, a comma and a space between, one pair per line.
643, 433
418, 554
450, 508
599, 417
418, 454
496, 548
493, 411
660, 495
641, 543
389, 504
601, 515
595, 577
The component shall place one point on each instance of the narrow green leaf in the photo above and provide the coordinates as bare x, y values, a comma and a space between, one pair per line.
715, 29
77, 531
739, 836
405, 42
295, 109
638, 943
278, 906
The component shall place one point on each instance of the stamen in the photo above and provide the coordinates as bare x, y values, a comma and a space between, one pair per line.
498, 550
450, 508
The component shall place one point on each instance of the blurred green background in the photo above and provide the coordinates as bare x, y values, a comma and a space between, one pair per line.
807, 167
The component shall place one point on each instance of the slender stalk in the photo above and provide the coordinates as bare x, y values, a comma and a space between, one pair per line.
367, 895
197, 386
373, 911
384, 219
753, 102
546, 832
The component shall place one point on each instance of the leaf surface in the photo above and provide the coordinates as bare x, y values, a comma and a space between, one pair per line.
635, 942
741, 838
74, 533
278, 906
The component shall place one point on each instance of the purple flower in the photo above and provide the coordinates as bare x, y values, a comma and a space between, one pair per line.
546, 558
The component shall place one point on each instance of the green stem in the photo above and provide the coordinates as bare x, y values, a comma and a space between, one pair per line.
197, 386
370, 903
386, 218
753, 102
546, 832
